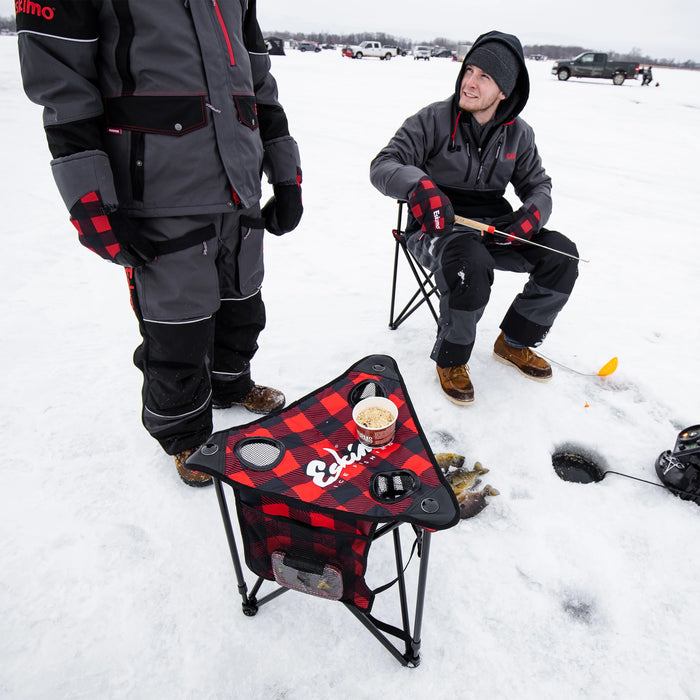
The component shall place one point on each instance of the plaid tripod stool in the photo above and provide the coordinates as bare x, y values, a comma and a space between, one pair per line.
424, 278
311, 499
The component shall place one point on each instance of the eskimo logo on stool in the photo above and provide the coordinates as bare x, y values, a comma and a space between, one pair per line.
323, 474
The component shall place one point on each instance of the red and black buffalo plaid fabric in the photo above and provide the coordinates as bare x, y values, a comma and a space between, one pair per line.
94, 227
317, 491
268, 525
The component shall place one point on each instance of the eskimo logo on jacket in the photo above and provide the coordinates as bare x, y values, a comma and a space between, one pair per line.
63, 19
34, 8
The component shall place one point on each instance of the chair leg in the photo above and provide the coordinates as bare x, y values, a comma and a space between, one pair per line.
425, 280
426, 289
420, 598
226, 518
379, 629
250, 603
392, 321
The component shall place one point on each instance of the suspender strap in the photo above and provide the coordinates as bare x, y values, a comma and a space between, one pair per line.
187, 241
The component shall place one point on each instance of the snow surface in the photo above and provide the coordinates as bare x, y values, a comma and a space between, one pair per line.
116, 579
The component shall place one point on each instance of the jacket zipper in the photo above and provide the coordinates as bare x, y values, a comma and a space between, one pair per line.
482, 153
469, 161
495, 160
227, 38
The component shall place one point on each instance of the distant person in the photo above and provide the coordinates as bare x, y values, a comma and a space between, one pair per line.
646, 75
459, 155
161, 118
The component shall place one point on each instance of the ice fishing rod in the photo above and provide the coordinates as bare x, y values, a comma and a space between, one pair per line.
487, 228
607, 369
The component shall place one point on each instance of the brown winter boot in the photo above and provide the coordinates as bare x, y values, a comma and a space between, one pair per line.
455, 384
260, 399
523, 359
190, 477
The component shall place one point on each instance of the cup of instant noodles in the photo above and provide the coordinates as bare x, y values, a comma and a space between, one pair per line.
375, 418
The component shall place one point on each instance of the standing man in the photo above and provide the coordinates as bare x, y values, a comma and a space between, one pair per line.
458, 156
161, 118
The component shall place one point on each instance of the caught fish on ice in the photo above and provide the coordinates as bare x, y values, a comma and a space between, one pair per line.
463, 479
471, 503
463, 482
449, 460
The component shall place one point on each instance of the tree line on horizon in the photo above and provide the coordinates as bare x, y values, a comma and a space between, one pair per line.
550, 51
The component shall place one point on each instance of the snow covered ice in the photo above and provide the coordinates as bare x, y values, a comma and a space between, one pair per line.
116, 579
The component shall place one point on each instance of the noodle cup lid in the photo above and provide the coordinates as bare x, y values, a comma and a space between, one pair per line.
378, 402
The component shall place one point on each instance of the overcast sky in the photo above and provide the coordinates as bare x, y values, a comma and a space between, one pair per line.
660, 30
667, 30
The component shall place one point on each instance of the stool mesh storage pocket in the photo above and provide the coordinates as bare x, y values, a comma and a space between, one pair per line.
307, 576
305, 549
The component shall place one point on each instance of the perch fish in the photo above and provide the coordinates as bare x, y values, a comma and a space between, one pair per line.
448, 460
473, 502
461, 479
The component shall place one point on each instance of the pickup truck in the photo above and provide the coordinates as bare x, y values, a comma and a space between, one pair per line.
370, 48
595, 65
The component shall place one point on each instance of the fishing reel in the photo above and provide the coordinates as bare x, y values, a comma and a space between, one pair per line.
679, 469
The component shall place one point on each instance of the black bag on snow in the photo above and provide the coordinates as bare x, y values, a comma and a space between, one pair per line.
679, 469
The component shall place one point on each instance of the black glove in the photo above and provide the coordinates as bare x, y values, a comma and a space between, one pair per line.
523, 223
431, 208
283, 210
110, 234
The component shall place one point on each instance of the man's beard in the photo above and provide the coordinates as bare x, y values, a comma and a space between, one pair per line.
471, 108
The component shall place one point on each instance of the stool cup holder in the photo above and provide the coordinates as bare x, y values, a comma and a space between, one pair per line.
259, 453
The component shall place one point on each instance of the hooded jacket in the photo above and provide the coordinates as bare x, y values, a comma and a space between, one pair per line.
438, 142
167, 108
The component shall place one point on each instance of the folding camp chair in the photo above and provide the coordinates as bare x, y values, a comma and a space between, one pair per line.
425, 279
311, 499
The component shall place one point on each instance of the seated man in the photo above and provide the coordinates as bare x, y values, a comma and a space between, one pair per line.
458, 156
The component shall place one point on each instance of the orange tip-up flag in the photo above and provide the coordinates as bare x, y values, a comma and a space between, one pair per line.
608, 368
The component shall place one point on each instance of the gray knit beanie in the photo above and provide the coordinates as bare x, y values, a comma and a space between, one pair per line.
498, 61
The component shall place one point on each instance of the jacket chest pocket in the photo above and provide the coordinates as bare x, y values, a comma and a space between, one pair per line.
171, 115
247, 110
161, 149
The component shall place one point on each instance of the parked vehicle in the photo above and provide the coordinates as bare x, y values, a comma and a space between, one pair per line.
370, 48
595, 65
421, 52
308, 46
275, 46
397, 51
462, 51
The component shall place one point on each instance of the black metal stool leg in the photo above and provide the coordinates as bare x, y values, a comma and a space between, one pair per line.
420, 596
367, 623
403, 599
250, 606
